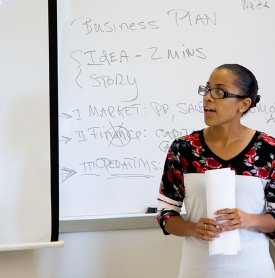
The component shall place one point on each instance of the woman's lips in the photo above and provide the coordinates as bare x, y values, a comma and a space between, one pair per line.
209, 110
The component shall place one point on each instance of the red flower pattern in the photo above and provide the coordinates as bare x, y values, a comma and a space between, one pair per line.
170, 176
251, 155
268, 139
169, 155
212, 163
184, 162
194, 142
247, 173
201, 170
262, 173
196, 164
201, 161
177, 174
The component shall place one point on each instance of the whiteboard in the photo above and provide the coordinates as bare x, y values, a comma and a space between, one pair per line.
128, 78
25, 169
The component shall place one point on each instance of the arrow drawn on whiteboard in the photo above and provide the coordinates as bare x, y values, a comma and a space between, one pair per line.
66, 173
65, 139
66, 116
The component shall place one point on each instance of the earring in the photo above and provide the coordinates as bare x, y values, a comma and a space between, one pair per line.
241, 110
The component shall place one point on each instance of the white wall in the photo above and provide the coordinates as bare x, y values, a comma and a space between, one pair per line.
142, 253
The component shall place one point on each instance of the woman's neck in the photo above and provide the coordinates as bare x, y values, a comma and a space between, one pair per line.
228, 143
227, 135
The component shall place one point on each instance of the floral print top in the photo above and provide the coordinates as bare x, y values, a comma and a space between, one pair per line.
190, 154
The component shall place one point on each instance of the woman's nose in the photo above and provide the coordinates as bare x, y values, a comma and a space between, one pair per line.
208, 96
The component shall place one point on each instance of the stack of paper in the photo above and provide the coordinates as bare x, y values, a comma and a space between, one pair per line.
220, 194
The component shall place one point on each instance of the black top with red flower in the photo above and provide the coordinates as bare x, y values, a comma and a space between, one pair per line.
190, 154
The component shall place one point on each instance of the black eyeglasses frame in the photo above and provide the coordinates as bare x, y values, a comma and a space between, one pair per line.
206, 90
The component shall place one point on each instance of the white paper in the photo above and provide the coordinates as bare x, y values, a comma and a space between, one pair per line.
220, 193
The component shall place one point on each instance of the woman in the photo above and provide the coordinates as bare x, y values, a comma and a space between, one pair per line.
229, 93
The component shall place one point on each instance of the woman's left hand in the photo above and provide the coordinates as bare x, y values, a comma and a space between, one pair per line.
232, 219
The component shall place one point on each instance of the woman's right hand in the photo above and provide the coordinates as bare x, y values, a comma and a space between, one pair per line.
207, 229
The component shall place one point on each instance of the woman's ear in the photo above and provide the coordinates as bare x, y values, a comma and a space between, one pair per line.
245, 104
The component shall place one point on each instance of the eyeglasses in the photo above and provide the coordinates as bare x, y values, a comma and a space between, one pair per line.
216, 93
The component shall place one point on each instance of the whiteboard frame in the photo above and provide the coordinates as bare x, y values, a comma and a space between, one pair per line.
53, 89
107, 222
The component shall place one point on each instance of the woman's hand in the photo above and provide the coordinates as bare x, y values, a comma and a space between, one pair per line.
226, 220
232, 219
207, 229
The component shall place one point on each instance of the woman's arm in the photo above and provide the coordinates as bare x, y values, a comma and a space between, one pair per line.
176, 225
205, 229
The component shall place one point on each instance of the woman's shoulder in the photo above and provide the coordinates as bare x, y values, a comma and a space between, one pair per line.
195, 135
266, 138
193, 138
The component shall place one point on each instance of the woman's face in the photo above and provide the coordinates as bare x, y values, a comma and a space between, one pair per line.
220, 112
